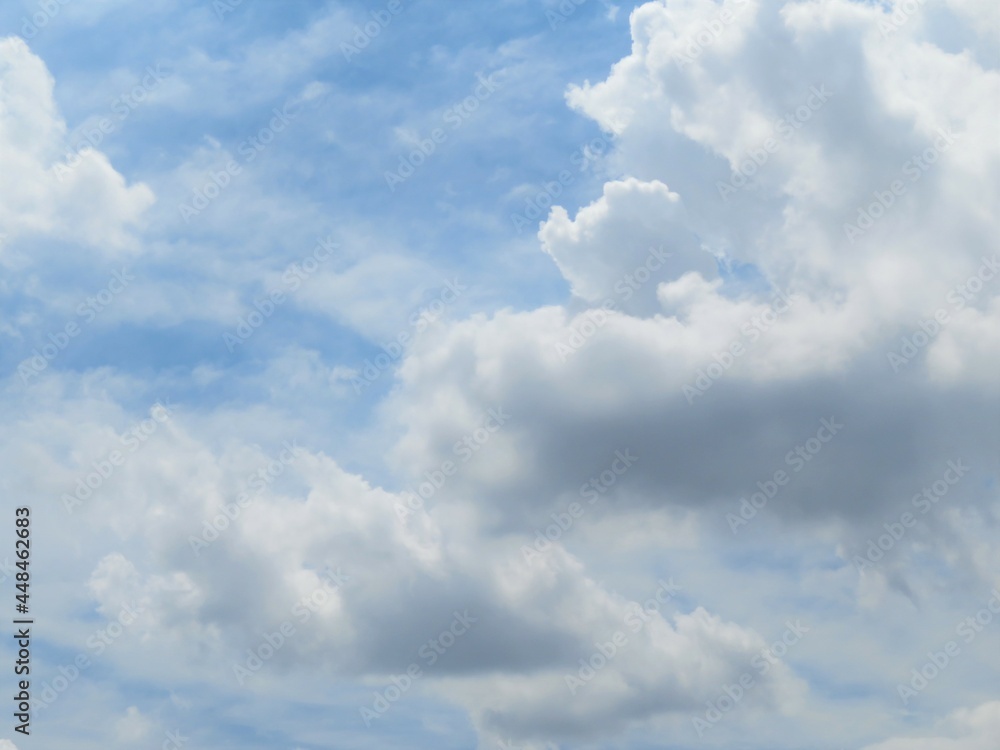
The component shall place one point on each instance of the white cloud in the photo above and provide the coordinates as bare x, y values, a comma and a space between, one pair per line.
90, 204
766, 269
133, 727
614, 246
966, 729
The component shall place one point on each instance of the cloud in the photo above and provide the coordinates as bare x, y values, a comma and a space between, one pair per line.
778, 137
618, 243
779, 337
90, 204
967, 729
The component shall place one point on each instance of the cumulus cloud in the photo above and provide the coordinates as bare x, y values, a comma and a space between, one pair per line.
614, 246
89, 203
194, 595
779, 340
833, 299
800, 306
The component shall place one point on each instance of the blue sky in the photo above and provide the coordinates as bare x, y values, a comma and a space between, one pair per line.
327, 176
465, 266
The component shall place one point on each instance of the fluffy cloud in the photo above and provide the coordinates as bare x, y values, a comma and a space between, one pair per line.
801, 305
88, 203
846, 202
633, 233
205, 597
798, 195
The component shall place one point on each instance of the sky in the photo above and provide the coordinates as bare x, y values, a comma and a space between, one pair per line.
507, 375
